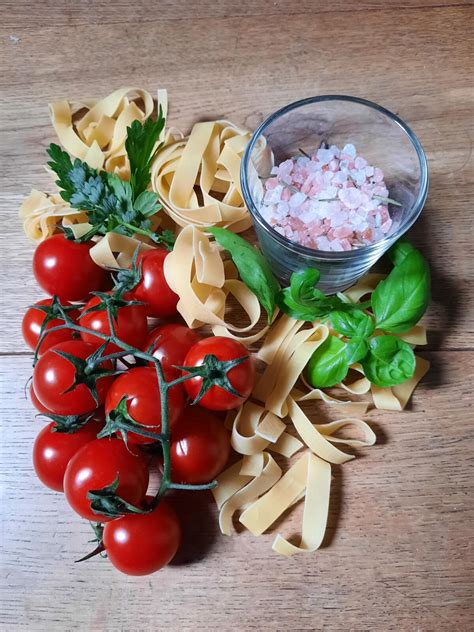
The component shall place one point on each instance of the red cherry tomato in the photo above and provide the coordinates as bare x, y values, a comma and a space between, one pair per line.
52, 451
171, 343
65, 268
143, 543
36, 402
200, 447
140, 387
96, 465
54, 375
34, 318
153, 289
130, 325
241, 377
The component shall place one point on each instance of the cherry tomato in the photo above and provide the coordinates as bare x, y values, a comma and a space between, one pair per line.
96, 465
200, 447
140, 386
34, 318
130, 325
171, 343
141, 544
241, 377
52, 450
65, 268
53, 375
153, 289
36, 402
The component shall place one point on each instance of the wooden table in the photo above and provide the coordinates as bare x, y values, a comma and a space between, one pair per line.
398, 553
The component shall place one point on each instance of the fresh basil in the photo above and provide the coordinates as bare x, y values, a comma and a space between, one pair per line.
354, 324
401, 299
399, 251
303, 301
356, 350
328, 365
390, 361
253, 268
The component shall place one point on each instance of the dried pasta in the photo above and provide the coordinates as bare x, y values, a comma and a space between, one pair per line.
98, 136
196, 272
198, 177
42, 213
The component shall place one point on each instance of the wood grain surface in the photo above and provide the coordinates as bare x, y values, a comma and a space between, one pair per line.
398, 552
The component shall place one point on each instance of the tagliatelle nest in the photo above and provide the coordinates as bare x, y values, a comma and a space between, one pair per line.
198, 178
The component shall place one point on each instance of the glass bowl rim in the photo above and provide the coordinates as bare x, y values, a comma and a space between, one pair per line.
416, 208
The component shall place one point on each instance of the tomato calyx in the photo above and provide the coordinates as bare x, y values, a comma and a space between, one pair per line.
98, 529
120, 421
87, 371
111, 303
127, 279
54, 311
214, 372
68, 424
105, 501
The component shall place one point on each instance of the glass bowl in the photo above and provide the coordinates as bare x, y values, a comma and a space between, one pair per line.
379, 136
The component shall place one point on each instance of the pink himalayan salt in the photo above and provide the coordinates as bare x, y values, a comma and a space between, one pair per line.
326, 202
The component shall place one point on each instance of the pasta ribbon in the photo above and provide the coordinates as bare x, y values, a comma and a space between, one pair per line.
42, 213
263, 474
198, 177
309, 476
315, 440
98, 136
116, 251
253, 430
196, 272
289, 361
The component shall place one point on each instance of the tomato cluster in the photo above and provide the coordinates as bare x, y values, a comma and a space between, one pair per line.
106, 412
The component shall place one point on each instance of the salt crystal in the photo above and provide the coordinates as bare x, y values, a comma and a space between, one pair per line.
297, 199
325, 155
378, 175
369, 171
271, 183
350, 197
360, 163
323, 243
349, 150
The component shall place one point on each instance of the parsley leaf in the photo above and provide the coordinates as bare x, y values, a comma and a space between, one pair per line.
111, 203
140, 147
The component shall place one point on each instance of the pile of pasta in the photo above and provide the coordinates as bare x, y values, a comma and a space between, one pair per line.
196, 177
286, 457
273, 419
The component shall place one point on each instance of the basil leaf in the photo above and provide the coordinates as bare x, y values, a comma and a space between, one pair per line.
399, 251
390, 361
355, 324
356, 350
303, 301
401, 299
253, 268
328, 365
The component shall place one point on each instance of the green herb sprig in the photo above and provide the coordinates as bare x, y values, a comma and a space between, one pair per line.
114, 205
397, 304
